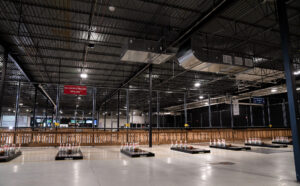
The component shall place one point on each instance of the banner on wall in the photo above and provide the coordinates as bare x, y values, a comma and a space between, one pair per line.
74, 89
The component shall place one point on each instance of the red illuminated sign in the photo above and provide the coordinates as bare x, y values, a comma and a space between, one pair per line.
72, 89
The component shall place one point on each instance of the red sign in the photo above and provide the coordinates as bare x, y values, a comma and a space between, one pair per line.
72, 89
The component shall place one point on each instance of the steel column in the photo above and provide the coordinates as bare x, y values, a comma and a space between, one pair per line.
150, 105
251, 114
185, 109
34, 108
209, 112
17, 104
290, 82
127, 113
94, 107
2, 85
263, 114
104, 121
157, 111
269, 111
118, 110
231, 113
284, 113
57, 105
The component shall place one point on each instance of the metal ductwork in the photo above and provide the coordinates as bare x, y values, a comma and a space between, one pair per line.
196, 57
145, 51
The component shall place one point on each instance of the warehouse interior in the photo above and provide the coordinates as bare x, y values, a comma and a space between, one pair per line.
110, 78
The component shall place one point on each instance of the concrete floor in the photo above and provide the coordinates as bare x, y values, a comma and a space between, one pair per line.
106, 166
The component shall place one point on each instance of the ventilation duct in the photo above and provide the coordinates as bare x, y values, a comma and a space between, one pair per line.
198, 58
145, 51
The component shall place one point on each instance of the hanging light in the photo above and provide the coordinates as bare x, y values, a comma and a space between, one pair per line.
201, 97
274, 90
83, 75
197, 84
111, 8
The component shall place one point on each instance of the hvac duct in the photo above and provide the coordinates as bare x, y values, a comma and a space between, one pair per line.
145, 51
195, 57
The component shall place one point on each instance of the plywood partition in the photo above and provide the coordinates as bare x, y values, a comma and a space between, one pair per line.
100, 137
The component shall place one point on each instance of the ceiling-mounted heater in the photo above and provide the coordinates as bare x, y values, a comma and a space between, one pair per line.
145, 51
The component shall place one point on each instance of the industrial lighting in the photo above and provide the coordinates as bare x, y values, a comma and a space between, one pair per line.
9, 110
197, 84
112, 8
21, 104
83, 75
27, 110
298, 88
274, 90
61, 112
201, 97
297, 72
79, 98
10, 128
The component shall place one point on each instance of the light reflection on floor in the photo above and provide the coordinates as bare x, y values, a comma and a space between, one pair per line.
106, 166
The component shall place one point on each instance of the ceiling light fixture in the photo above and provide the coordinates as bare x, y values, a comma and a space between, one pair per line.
297, 72
201, 97
274, 90
197, 84
83, 75
112, 8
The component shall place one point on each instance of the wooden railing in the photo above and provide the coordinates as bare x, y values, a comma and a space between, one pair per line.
99, 137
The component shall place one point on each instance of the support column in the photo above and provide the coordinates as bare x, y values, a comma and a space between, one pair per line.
209, 113
104, 122
17, 104
231, 113
269, 112
57, 105
185, 109
118, 110
263, 114
284, 113
46, 113
127, 113
157, 111
94, 107
150, 105
251, 114
34, 109
221, 122
290, 82
2, 85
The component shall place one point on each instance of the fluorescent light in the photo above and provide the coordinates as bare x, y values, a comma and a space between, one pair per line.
298, 88
297, 72
10, 128
197, 84
83, 75
21, 104
274, 90
201, 97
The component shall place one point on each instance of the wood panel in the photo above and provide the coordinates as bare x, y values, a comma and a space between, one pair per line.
100, 137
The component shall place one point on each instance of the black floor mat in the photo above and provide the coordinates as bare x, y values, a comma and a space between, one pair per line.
269, 151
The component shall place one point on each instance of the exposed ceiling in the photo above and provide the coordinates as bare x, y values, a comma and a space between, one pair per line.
51, 39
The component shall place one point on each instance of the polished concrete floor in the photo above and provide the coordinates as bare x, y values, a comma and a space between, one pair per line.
106, 166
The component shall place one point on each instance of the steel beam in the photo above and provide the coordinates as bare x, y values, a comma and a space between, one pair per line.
290, 82
209, 112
